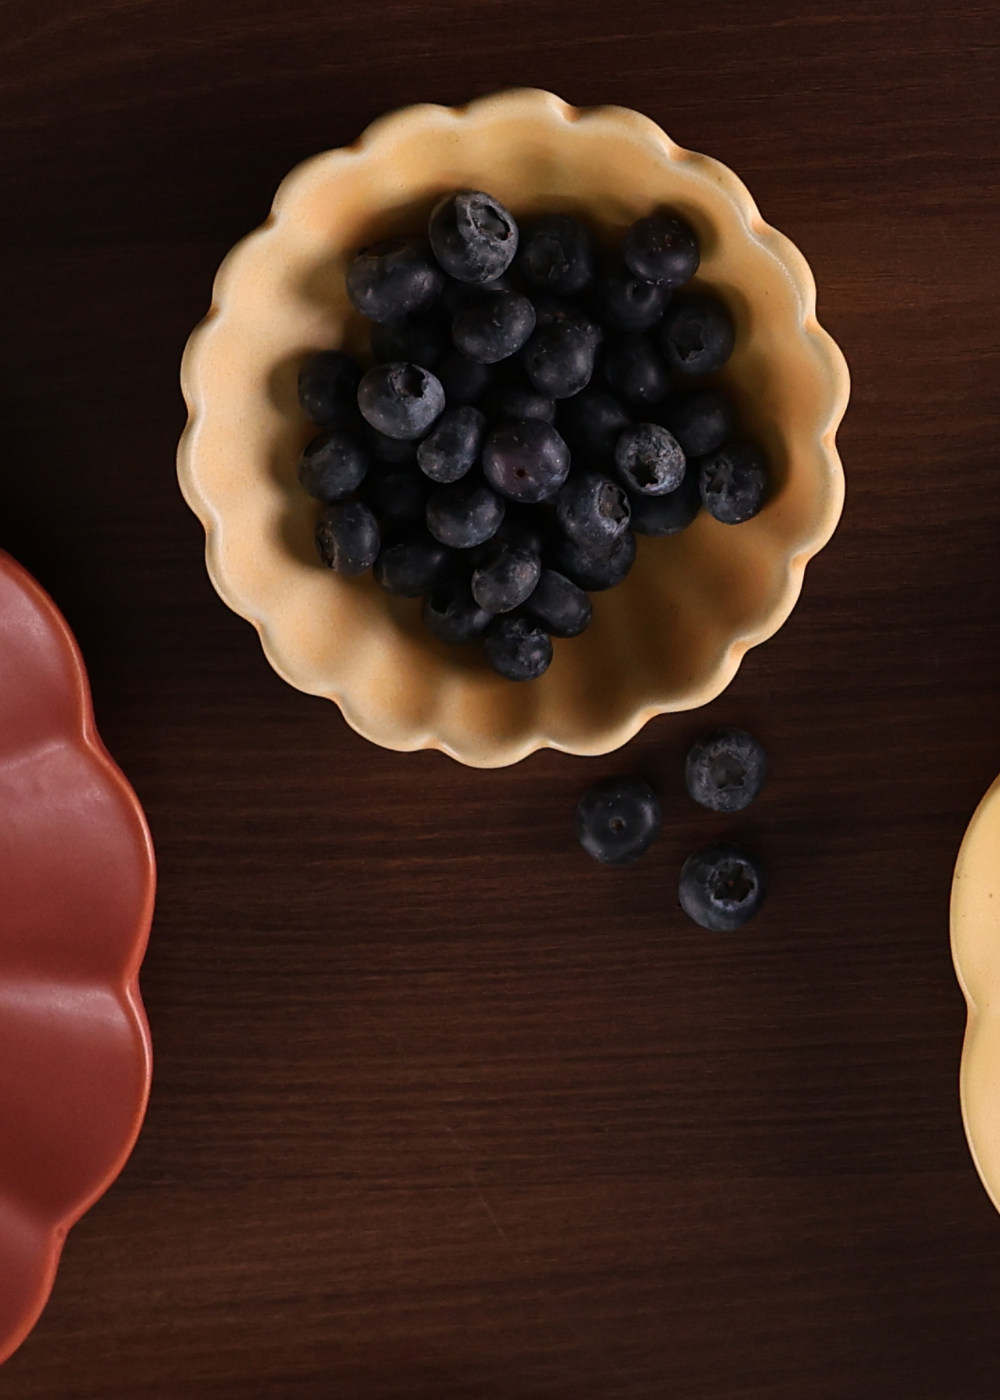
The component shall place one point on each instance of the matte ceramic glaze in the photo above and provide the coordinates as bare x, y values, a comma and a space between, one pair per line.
672, 635
975, 942
76, 899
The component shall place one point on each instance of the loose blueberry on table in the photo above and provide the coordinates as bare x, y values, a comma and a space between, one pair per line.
533, 403
618, 819
726, 770
721, 887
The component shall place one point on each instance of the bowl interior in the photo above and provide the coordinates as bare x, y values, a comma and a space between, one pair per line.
669, 637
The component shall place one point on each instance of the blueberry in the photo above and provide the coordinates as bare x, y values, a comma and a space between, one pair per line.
589, 570
701, 421
557, 254
636, 371
519, 401
397, 494
473, 236
553, 312
347, 537
462, 379
618, 819
400, 400
397, 277
733, 481
398, 451
524, 527
495, 328
464, 514
591, 423
662, 248
721, 887
526, 460
593, 511
452, 614
559, 360
414, 565
458, 295
505, 579
518, 648
725, 771
419, 340
328, 388
649, 460
332, 465
625, 302
563, 609
697, 335
453, 445
667, 515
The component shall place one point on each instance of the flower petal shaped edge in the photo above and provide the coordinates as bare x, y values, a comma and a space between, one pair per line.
77, 883
672, 636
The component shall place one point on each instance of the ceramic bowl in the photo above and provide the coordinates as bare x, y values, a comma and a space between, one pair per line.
672, 635
975, 941
75, 906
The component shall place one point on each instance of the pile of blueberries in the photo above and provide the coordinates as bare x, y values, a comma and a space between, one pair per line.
721, 887
531, 405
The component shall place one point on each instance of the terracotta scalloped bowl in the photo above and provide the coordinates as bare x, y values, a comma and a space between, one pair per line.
76, 894
975, 942
672, 635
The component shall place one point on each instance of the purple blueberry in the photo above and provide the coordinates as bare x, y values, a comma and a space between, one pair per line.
591, 422
505, 579
333, 465
414, 565
557, 254
453, 445
418, 340
328, 388
662, 248
397, 494
395, 278
726, 770
563, 609
649, 460
494, 328
518, 648
400, 400
593, 511
733, 483
452, 614
618, 819
667, 515
636, 371
464, 514
473, 236
347, 537
559, 360
700, 421
697, 335
625, 302
592, 571
519, 401
526, 461
721, 887
463, 380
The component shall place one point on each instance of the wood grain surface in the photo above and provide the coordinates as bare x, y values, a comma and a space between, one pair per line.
442, 1110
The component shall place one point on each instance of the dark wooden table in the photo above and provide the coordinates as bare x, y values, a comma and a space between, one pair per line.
442, 1110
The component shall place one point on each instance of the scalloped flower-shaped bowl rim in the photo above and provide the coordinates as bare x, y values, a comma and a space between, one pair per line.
704, 597
78, 892
975, 944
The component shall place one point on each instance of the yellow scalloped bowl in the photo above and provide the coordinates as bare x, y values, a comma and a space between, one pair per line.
672, 635
975, 944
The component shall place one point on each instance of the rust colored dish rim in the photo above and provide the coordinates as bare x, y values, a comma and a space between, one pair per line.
264, 605
85, 739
